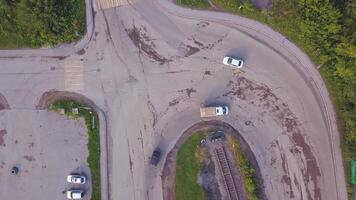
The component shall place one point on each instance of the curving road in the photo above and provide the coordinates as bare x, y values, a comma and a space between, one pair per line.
149, 65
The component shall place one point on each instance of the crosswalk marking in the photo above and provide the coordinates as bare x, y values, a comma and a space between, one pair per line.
104, 4
74, 76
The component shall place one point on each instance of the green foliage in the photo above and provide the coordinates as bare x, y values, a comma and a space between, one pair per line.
194, 3
92, 123
187, 169
34, 23
246, 169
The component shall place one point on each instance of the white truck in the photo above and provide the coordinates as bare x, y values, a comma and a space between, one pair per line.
214, 111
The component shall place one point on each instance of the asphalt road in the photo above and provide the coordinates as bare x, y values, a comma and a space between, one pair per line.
149, 65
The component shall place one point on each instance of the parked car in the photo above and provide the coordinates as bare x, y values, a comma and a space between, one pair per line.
75, 194
156, 155
74, 178
233, 62
217, 136
214, 111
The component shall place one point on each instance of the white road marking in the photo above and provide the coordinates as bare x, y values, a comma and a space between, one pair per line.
104, 4
74, 76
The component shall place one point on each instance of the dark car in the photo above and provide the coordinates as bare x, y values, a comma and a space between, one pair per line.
217, 136
156, 155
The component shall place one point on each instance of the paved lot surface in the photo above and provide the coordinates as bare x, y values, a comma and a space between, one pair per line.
46, 147
149, 65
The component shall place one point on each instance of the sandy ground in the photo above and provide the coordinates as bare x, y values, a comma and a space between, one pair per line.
149, 65
46, 147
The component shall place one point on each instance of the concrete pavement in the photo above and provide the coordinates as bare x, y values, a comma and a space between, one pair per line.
151, 64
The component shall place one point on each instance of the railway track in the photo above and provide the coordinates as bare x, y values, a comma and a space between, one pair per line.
226, 172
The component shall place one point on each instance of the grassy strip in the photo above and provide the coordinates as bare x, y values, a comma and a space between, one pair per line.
187, 169
92, 123
245, 168
194, 3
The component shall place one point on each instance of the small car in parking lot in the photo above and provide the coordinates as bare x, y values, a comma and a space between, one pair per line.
75, 194
156, 155
75, 178
233, 62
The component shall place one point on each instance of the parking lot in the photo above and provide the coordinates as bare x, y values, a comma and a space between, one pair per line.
46, 147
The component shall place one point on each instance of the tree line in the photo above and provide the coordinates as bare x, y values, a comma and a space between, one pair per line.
36, 23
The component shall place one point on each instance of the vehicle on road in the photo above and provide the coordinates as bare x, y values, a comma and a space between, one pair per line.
214, 111
75, 194
156, 155
75, 178
233, 62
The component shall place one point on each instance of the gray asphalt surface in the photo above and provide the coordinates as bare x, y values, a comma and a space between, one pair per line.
150, 65
46, 147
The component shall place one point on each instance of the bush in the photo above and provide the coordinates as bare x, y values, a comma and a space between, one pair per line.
34, 23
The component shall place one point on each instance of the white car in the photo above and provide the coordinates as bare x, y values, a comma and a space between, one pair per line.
233, 62
75, 194
76, 179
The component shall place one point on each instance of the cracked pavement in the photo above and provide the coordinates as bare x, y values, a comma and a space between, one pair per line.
149, 65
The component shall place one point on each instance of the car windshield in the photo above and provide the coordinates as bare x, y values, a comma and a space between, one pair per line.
229, 60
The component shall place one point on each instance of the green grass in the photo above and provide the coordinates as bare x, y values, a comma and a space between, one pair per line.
286, 24
36, 23
245, 168
94, 139
187, 169
194, 3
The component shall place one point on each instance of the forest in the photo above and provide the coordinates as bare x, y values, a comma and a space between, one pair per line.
38, 23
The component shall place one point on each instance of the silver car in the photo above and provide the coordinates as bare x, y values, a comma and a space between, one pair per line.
74, 178
75, 194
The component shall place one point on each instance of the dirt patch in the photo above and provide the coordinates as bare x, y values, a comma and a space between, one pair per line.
81, 52
312, 171
173, 102
3, 103
168, 173
209, 45
145, 44
191, 50
208, 180
207, 72
29, 158
189, 91
2, 134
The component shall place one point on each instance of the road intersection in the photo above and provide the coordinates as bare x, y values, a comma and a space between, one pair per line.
150, 65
